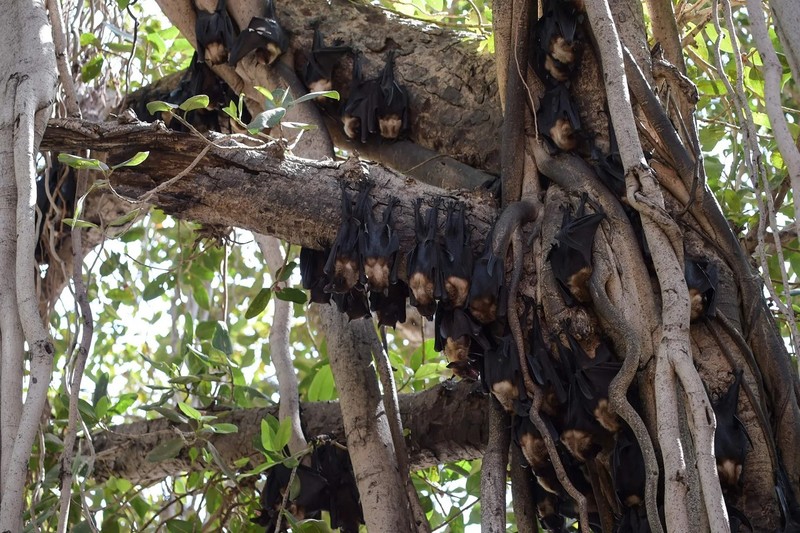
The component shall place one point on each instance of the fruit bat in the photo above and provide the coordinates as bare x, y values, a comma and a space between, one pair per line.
457, 257
424, 262
391, 307
391, 104
542, 369
55, 201
311, 498
358, 113
557, 48
353, 302
344, 262
609, 166
548, 508
344, 504
731, 441
455, 331
319, 69
558, 118
627, 469
702, 279
215, 35
312, 274
264, 35
531, 443
502, 375
486, 297
571, 256
790, 508
379, 244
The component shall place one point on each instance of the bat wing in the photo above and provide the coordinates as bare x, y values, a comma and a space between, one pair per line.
247, 41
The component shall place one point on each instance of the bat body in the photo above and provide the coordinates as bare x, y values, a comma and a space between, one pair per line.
354, 303
485, 291
379, 245
358, 113
391, 104
312, 274
702, 279
423, 264
627, 469
312, 498
558, 118
55, 201
571, 256
264, 35
215, 35
455, 332
731, 441
556, 42
344, 504
543, 370
390, 307
457, 259
502, 375
344, 263
323, 59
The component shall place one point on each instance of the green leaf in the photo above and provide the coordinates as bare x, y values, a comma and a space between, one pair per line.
124, 401
333, 95
284, 433
267, 436
220, 461
123, 4
322, 386
153, 289
267, 119
91, 69
231, 110
282, 97
101, 388
176, 525
171, 414
189, 411
222, 340
71, 222
285, 272
200, 295
259, 303
266, 93
133, 161
101, 407
199, 101
224, 428
87, 410
158, 42
81, 163
312, 526
89, 38
157, 105
291, 294
168, 449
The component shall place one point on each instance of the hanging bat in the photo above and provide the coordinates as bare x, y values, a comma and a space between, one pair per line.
731, 441
627, 469
312, 274
543, 370
354, 303
55, 200
557, 46
571, 256
702, 279
358, 113
502, 375
333, 464
391, 104
215, 35
558, 118
532, 444
790, 508
455, 331
318, 72
609, 166
344, 262
457, 257
424, 262
312, 498
391, 307
264, 35
379, 244
486, 297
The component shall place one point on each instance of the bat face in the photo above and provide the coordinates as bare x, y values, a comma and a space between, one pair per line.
321, 62
731, 441
702, 278
424, 271
558, 119
352, 126
379, 245
570, 258
456, 333
265, 37
390, 126
457, 257
215, 35
312, 274
486, 286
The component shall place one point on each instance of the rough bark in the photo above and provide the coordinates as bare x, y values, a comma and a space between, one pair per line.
447, 423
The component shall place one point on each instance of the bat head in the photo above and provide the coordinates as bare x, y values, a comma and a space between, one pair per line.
216, 53
352, 126
390, 126
564, 135
377, 270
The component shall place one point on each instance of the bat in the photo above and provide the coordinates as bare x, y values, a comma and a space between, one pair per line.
215, 35
737, 518
571, 256
548, 508
609, 166
542, 368
199, 79
455, 330
391, 104
502, 375
530, 441
557, 42
627, 469
358, 113
378, 245
457, 257
702, 278
318, 72
558, 119
391, 307
353, 302
334, 465
344, 262
486, 297
312, 274
55, 201
423, 263
790, 508
731, 441
311, 499
264, 35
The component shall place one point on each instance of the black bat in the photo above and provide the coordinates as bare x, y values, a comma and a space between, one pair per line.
627, 469
455, 331
530, 441
264, 35
457, 257
215, 35
312, 274
318, 72
312, 498
702, 278
558, 118
344, 262
542, 368
333, 463
548, 508
391, 307
571, 256
391, 104
353, 302
199, 79
55, 200
502, 375
557, 43
358, 113
609, 165
790, 508
486, 297
731, 441
379, 244
424, 262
